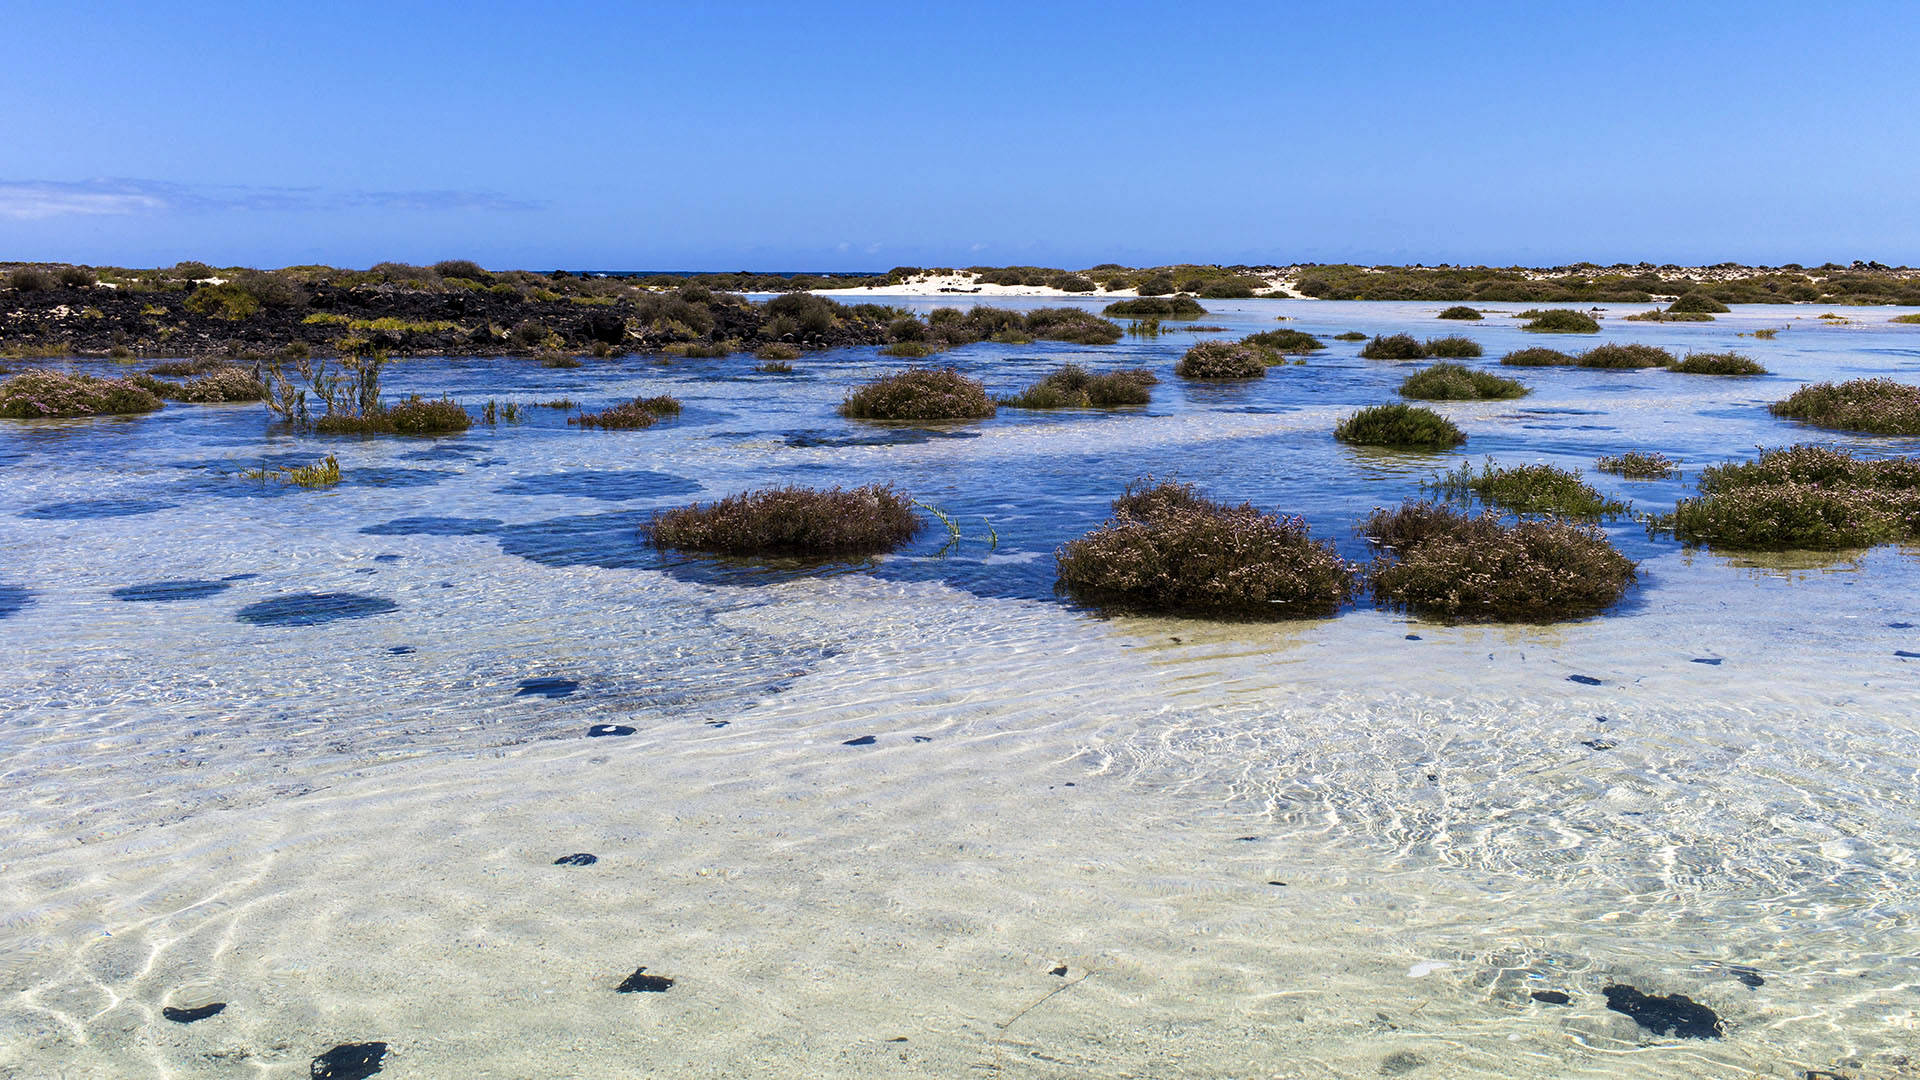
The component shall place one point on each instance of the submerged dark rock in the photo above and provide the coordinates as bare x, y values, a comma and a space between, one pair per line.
1061, 970
642, 983
313, 609
386, 558
1712, 660
12, 599
1598, 744
1670, 1014
602, 730
193, 1013
1746, 975
578, 858
547, 687
1401, 1063
348, 1061
864, 740
84, 509
401, 650
1584, 680
1906, 655
434, 526
609, 485
1550, 997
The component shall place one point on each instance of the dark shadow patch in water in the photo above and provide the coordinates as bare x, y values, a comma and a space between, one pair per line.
547, 687
232, 465
87, 509
900, 436
313, 609
610, 485
166, 591
12, 599
239, 577
610, 540
395, 476
434, 526
441, 453
699, 569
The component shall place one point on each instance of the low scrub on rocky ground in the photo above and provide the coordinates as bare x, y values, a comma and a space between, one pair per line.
1167, 548
1440, 562
919, 394
791, 521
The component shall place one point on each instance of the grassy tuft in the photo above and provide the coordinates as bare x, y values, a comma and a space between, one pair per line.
1873, 406
913, 350
1461, 312
414, 416
1406, 427
1621, 357
919, 394
1726, 363
553, 358
1167, 548
1223, 360
1452, 347
778, 350
1538, 357
1159, 307
1913, 318
1559, 321
1396, 347
1350, 335
1527, 489
641, 412
1698, 303
1637, 465
1286, 342
792, 521
1073, 387
1456, 382
1440, 562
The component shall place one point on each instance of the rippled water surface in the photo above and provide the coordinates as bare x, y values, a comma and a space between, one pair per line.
314, 753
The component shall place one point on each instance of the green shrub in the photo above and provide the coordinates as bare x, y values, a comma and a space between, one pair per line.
911, 349
1656, 315
1350, 335
1233, 288
224, 301
34, 395
773, 367
1805, 497
1698, 303
1538, 357
30, 279
777, 351
1157, 307
1076, 325
75, 277
1406, 427
1913, 318
462, 268
1873, 406
1726, 363
1156, 285
554, 358
1074, 387
1452, 347
641, 412
420, 416
919, 394
1442, 563
1167, 548
1286, 342
1460, 311
1637, 465
1624, 357
1223, 360
1074, 283
221, 385
1456, 382
1559, 321
1396, 347
791, 521
1527, 489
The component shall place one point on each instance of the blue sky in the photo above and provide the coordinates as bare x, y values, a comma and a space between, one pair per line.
864, 136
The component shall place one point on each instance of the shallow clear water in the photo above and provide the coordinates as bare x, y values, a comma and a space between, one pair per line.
313, 753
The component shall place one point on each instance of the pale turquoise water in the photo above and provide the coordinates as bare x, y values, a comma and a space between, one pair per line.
345, 828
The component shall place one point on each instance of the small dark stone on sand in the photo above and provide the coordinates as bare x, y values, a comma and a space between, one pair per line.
348, 1061
1550, 997
600, 730
1433, 777
386, 558
547, 687
642, 983
239, 577
864, 740
578, 858
1713, 660
1598, 744
1747, 976
401, 650
366, 570
1671, 1014
898, 1038
718, 723
1584, 680
197, 1012
1908, 655
1244, 839
1899, 626
923, 738
1282, 884
1413, 637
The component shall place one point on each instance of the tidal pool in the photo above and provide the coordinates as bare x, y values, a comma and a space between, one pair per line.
918, 816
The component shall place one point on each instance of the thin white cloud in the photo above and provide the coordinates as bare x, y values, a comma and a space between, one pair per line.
37, 199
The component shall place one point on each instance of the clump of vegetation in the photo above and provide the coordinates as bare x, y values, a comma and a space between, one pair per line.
919, 394
1074, 325
793, 521
1873, 406
641, 412
1404, 427
553, 358
1074, 387
1460, 311
1559, 321
1913, 318
1286, 342
414, 416
1452, 347
30, 279
1538, 357
1767, 334
773, 367
322, 473
1440, 562
1726, 363
777, 350
1698, 303
1394, 347
1806, 497
1637, 465
1624, 357
34, 395
222, 384
227, 300
1456, 382
1527, 489
1657, 315
1159, 307
1223, 360
1350, 335
1167, 548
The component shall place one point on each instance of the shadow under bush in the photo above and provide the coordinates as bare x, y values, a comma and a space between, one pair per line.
1168, 549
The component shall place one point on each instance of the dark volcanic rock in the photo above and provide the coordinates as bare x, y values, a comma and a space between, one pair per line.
162, 591
578, 858
548, 687
312, 609
1550, 997
348, 1061
193, 1013
1584, 680
642, 983
602, 730
1671, 1014
864, 740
